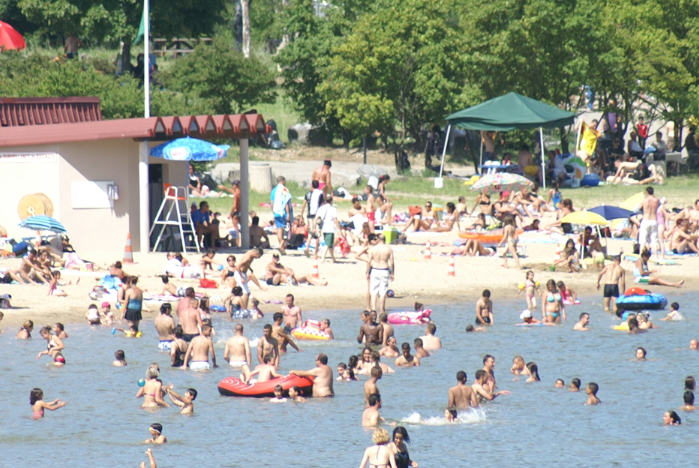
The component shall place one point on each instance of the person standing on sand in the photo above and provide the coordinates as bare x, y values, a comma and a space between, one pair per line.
329, 225
323, 382
509, 235
324, 178
614, 276
380, 269
281, 208
241, 273
648, 232
165, 326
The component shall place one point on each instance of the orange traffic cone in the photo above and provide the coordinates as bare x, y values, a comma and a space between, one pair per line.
451, 271
428, 251
315, 272
128, 252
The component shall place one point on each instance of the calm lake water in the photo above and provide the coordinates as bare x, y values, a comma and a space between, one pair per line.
103, 424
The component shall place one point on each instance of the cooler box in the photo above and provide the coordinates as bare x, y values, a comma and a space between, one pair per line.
391, 234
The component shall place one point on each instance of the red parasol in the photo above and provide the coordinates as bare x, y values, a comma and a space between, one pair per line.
9, 38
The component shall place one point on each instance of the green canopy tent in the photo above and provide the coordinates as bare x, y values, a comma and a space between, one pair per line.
509, 112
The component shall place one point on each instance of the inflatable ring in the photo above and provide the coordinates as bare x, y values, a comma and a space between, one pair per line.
310, 330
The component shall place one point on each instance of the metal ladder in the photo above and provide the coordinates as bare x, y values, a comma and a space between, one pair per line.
180, 218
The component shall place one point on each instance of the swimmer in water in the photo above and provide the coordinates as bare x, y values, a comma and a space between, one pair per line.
583, 322
344, 373
591, 391
482, 389
484, 309
264, 372
120, 359
53, 348
528, 320
529, 286
132, 332
25, 332
185, 402
670, 418
560, 383
36, 399
420, 351
693, 345
294, 394
552, 304
391, 348
471, 329
278, 395
151, 460
460, 396
518, 367
429, 340
59, 330
640, 354
370, 416
574, 385
379, 455
688, 401
370, 387
407, 359
156, 434
533, 372
674, 313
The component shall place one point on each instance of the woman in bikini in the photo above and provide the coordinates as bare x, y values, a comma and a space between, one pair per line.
447, 224
642, 275
53, 348
380, 455
552, 304
152, 391
483, 200
509, 235
178, 348
569, 257
366, 359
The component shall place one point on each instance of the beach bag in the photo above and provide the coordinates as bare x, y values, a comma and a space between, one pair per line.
296, 241
207, 283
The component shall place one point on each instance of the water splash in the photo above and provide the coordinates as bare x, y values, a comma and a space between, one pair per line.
469, 416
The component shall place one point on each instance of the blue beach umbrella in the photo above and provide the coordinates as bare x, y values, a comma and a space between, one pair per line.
189, 149
42, 223
611, 212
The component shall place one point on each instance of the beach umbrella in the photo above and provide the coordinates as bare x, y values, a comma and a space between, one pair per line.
609, 212
10, 39
189, 149
502, 181
42, 223
585, 218
633, 203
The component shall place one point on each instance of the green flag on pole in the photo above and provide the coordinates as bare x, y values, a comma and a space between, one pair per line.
142, 27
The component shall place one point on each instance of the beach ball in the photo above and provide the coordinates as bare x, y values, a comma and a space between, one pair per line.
141, 382
390, 293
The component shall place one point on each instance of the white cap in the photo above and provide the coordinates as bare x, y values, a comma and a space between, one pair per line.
525, 314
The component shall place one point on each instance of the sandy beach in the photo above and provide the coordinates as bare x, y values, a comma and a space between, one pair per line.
417, 279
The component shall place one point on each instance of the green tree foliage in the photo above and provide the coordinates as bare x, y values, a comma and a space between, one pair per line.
223, 78
401, 66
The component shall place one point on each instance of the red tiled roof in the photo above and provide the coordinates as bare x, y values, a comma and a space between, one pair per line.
155, 128
17, 112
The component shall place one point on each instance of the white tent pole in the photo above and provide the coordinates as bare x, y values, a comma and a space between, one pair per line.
146, 58
577, 139
480, 136
543, 157
444, 150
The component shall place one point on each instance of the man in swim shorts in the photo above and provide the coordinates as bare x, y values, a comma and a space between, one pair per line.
237, 351
614, 276
241, 273
323, 382
279, 334
268, 346
648, 232
183, 304
324, 178
191, 321
165, 326
484, 309
281, 207
197, 355
380, 269
292, 314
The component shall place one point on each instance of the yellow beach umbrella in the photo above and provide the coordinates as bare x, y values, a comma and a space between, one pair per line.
634, 202
584, 217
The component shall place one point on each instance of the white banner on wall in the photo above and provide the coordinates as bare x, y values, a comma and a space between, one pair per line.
28, 157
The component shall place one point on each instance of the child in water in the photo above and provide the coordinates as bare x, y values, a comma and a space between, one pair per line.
36, 399
185, 402
156, 434
591, 390
560, 383
120, 359
93, 315
568, 295
278, 395
59, 330
575, 385
528, 287
674, 313
294, 394
131, 333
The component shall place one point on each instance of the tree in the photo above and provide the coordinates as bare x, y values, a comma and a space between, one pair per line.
402, 65
224, 78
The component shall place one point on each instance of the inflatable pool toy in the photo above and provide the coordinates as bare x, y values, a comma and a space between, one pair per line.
529, 324
217, 308
522, 285
235, 387
640, 299
622, 327
309, 330
569, 302
491, 237
410, 318
390, 293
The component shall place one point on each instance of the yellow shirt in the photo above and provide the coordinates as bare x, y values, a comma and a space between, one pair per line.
589, 141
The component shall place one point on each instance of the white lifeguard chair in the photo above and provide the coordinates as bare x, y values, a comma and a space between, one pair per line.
174, 214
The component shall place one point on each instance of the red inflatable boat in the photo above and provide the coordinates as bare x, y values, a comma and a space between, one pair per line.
235, 387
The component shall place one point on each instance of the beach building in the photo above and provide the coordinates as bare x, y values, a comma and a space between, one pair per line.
59, 158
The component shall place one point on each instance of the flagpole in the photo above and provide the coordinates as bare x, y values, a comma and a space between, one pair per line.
146, 57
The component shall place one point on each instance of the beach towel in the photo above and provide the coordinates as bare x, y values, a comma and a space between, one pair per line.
282, 196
